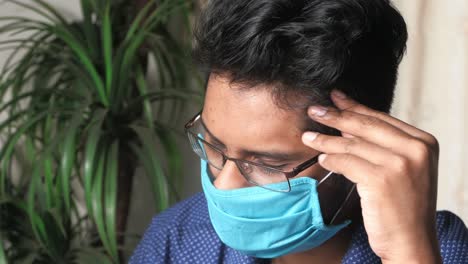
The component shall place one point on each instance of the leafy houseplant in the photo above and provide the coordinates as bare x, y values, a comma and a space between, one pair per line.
79, 116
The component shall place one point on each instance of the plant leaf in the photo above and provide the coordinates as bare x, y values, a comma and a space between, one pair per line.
91, 256
156, 174
35, 10
97, 199
52, 11
143, 89
37, 224
7, 150
174, 160
91, 150
3, 258
107, 46
110, 197
138, 20
68, 157
81, 53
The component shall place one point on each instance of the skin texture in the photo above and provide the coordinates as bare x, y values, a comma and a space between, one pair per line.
395, 167
249, 121
393, 164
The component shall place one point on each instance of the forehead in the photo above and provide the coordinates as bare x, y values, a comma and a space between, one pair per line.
238, 114
239, 102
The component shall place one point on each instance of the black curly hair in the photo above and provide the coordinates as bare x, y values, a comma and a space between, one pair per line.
305, 47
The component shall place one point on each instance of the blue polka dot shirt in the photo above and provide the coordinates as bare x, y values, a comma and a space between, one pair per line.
184, 234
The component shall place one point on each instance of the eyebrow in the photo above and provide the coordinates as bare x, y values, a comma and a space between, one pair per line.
278, 156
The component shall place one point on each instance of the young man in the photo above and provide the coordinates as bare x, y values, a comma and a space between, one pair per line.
301, 162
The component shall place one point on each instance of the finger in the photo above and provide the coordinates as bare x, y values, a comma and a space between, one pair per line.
340, 145
369, 128
356, 169
345, 103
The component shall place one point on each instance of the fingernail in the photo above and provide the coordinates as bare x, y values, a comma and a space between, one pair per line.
339, 94
318, 111
322, 157
309, 136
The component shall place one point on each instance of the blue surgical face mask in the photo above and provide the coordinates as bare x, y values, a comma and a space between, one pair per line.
267, 224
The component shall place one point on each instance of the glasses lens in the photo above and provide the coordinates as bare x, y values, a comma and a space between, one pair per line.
206, 151
258, 175
264, 176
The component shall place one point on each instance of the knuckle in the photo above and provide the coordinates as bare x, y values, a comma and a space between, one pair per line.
347, 160
385, 179
380, 114
433, 143
385, 182
401, 164
321, 141
355, 106
421, 150
369, 122
334, 115
349, 145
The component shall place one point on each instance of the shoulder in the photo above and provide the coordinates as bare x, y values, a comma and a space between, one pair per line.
182, 218
453, 237
187, 213
184, 234
185, 227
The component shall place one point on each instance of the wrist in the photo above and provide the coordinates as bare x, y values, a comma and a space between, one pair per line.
428, 254
425, 250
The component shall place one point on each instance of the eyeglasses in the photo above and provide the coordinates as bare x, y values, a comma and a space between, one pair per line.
255, 173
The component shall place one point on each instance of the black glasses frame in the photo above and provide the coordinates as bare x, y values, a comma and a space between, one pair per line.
288, 174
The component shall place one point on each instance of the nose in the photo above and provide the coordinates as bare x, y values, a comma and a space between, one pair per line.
230, 178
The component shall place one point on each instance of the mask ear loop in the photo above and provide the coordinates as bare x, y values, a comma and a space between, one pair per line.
344, 202
325, 178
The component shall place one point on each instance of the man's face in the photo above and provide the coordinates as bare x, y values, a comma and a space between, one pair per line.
247, 124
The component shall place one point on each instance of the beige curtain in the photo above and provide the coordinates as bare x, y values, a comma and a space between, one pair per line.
433, 89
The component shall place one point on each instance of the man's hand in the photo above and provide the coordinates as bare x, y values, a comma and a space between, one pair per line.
394, 166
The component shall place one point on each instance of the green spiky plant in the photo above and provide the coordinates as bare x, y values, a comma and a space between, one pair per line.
77, 118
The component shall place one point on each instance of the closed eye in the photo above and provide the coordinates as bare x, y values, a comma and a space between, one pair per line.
278, 167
